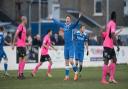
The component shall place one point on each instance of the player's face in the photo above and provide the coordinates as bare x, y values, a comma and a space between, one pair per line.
25, 21
68, 20
50, 33
82, 28
38, 37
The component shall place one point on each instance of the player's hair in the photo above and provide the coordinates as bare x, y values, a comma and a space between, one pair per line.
113, 16
23, 18
1, 28
81, 26
49, 30
68, 16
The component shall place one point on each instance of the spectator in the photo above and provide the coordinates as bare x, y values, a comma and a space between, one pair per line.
61, 40
37, 41
119, 42
29, 39
8, 39
92, 40
57, 39
61, 36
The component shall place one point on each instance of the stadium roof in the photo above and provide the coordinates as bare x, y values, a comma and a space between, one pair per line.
4, 23
85, 19
37, 1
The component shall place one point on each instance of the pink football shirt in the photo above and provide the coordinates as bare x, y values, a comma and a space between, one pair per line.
108, 42
47, 41
103, 35
21, 41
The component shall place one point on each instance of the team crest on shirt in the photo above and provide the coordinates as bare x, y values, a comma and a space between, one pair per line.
67, 27
80, 38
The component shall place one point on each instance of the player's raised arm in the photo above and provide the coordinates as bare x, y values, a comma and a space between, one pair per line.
56, 21
76, 23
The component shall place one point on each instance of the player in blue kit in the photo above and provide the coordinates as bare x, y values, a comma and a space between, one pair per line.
80, 39
2, 52
69, 45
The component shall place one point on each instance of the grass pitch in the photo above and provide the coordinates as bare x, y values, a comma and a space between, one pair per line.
90, 80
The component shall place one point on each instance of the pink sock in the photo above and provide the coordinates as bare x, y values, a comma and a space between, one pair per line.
112, 71
49, 68
37, 67
19, 68
23, 65
104, 72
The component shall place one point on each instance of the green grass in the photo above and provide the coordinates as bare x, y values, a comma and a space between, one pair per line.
90, 80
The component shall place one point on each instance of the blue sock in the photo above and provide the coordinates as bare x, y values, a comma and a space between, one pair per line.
67, 71
5, 67
74, 68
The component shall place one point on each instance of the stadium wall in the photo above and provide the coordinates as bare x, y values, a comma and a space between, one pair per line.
93, 60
